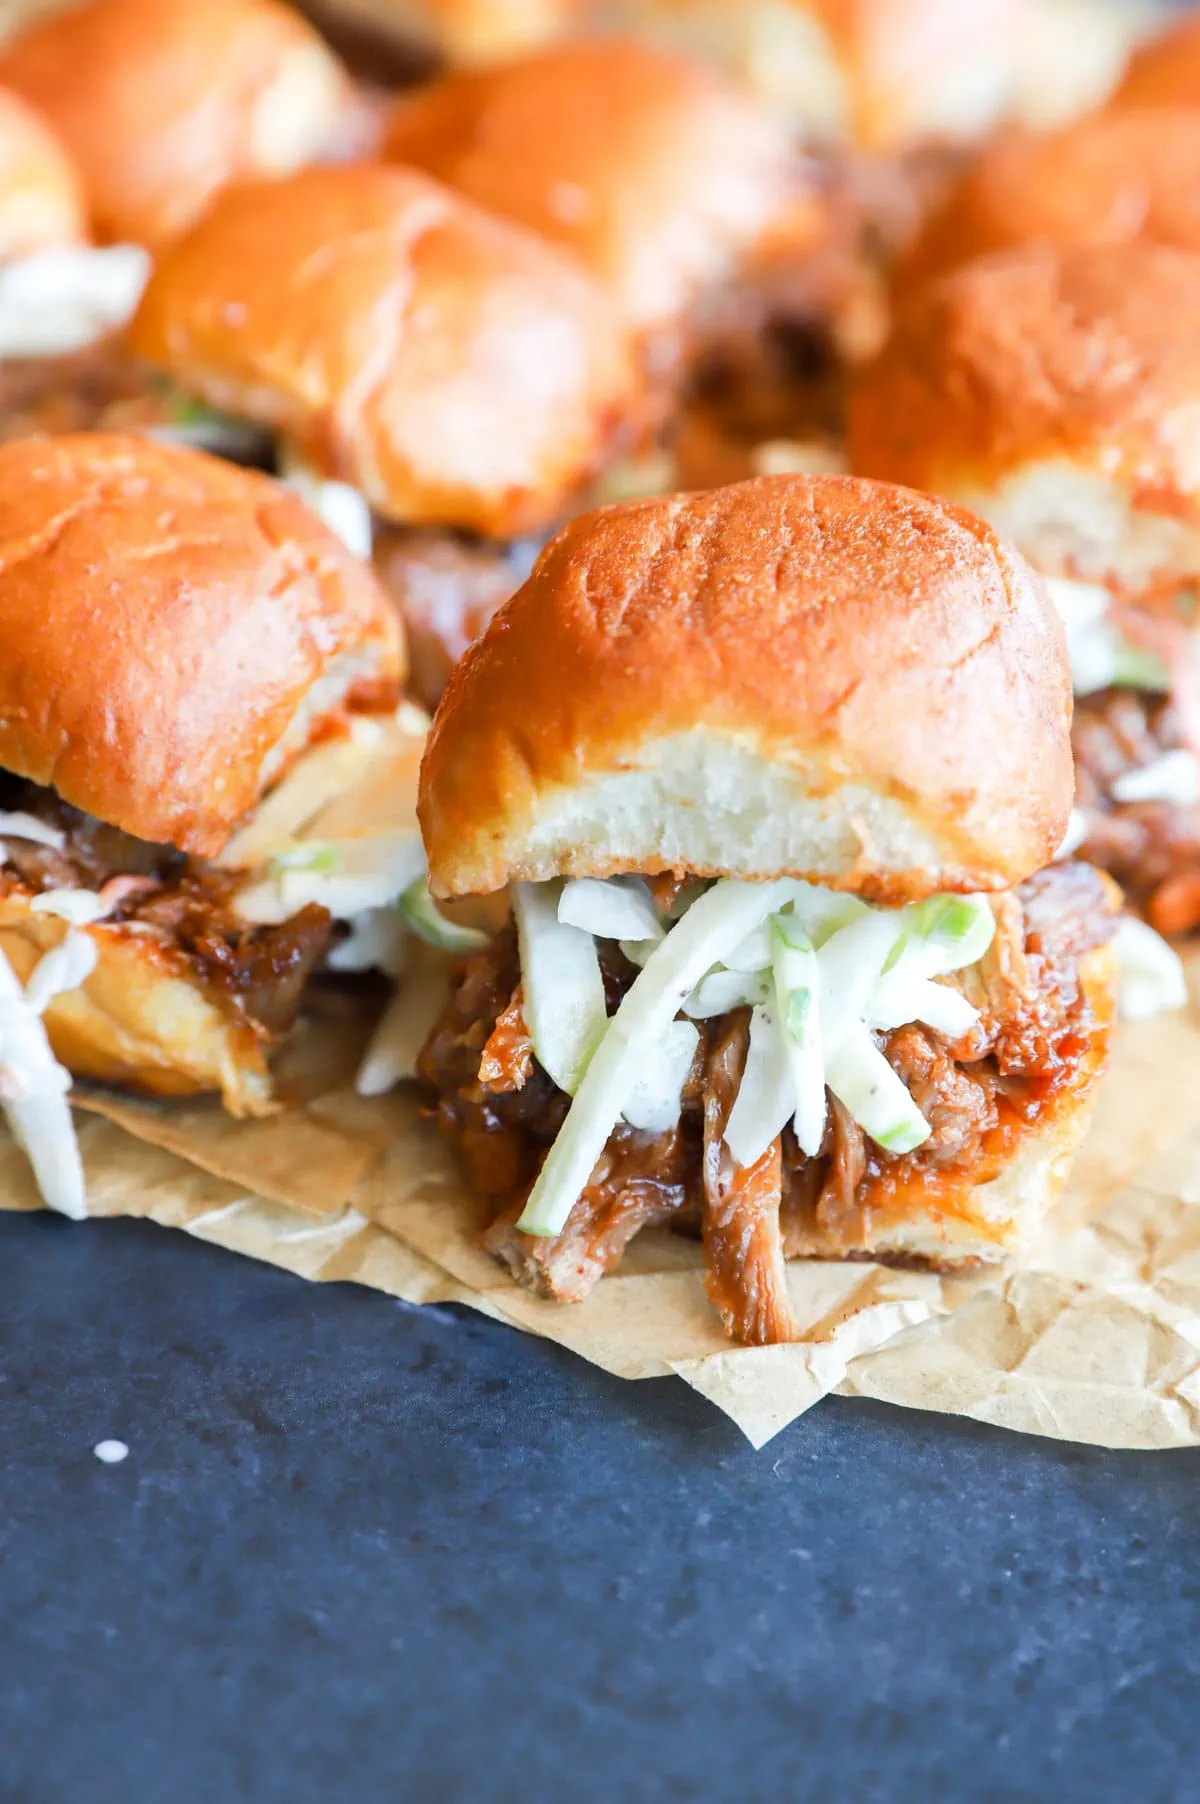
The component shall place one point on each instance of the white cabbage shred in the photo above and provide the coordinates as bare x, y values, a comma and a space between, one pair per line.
33, 1085
1100, 654
822, 972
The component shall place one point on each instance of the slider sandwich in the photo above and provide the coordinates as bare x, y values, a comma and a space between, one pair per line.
203, 779
62, 300
776, 774
1108, 178
162, 103
415, 360
1057, 394
669, 183
886, 98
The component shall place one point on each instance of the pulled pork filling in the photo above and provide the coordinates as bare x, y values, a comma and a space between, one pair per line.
178, 903
446, 587
70, 392
979, 1094
1152, 848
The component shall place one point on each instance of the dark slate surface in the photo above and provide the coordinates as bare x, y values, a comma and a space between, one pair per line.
360, 1552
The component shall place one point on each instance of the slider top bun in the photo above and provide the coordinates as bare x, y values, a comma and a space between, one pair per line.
1056, 391
175, 630
801, 675
658, 173
1165, 70
1106, 179
163, 102
455, 369
41, 196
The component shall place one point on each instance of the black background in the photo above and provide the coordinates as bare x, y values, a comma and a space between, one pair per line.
363, 1552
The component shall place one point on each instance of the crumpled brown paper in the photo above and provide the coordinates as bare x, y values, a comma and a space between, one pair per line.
1095, 1338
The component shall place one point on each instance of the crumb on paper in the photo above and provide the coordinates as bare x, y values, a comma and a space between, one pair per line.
110, 1453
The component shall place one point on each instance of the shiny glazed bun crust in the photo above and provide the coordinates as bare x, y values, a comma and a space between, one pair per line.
1090, 355
41, 196
453, 368
164, 102
1108, 178
174, 630
806, 676
658, 173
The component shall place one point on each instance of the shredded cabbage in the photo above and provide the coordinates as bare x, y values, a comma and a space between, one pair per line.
28, 826
823, 973
562, 985
1175, 777
405, 1025
344, 510
428, 922
1151, 979
82, 907
33, 1085
1100, 655
67, 296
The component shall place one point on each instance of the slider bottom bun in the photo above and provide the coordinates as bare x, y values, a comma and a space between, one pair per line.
141, 1020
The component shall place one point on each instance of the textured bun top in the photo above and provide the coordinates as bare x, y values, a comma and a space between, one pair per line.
1105, 179
453, 368
163, 102
1088, 355
172, 629
656, 172
1165, 70
812, 676
41, 197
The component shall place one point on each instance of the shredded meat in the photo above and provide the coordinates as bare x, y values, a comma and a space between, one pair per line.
742, 1241
179, 905
1151, 848
72, 392
1036, 1030
447, 589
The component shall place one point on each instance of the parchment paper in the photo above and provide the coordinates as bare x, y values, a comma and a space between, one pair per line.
1095, 1338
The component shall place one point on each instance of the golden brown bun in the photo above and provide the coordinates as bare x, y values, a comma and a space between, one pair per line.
949, 1223
453, 368
1164, 71
139, 1020
41, 197
806, 676
1106, 179
175, 630
1091, 356
163, 102
656, 172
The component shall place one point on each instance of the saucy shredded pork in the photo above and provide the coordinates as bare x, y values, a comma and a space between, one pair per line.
1036, 1029
1151, 848
182, 907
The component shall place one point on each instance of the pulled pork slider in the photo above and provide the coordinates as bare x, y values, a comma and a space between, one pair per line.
61, 300
451, 374
164, 102
1057, 393
662, 176
774, 773
185, 649
1108, 178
